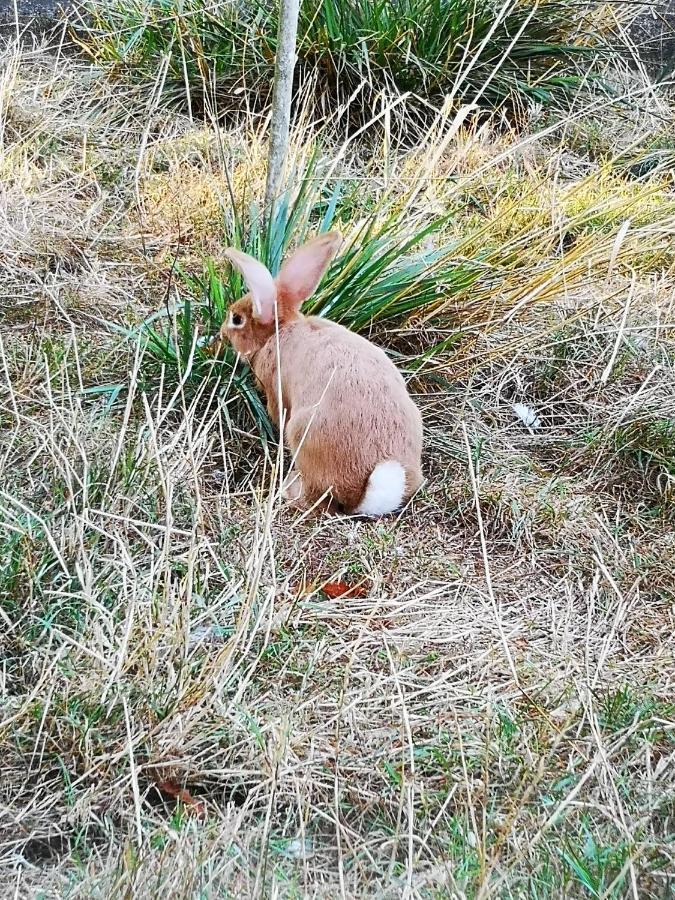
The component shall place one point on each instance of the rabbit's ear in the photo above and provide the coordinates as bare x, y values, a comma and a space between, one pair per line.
259, 282
300, 275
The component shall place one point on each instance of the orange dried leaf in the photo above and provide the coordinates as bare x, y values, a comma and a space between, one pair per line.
334, 589
175, 792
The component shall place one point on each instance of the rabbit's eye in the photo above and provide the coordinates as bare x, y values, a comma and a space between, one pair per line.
236, 320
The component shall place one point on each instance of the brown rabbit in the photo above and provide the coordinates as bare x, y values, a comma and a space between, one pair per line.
355, 433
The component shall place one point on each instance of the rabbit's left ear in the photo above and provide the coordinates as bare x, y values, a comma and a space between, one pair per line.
259, 282
300, 275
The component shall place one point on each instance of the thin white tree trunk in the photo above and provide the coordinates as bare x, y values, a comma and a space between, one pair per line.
281, 99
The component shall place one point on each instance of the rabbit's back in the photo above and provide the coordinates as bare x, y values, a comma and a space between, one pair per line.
347, 406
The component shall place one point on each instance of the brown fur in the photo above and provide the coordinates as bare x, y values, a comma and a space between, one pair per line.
346, 406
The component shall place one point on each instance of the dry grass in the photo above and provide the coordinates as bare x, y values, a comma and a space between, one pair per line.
492, 714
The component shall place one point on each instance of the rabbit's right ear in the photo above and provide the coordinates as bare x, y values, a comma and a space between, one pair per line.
259, 282
301, 273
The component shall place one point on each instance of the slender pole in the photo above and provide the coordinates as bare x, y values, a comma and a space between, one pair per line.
281, 99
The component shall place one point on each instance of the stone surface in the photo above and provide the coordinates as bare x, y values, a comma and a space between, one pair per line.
37, 13
654, 34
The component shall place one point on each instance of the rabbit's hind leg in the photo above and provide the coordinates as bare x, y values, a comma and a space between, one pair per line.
293, 487
305, 486
303, 497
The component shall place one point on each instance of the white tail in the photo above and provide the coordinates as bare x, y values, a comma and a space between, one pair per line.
384, 491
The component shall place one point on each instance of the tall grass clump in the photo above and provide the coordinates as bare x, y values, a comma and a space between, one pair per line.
481, 51
396, 263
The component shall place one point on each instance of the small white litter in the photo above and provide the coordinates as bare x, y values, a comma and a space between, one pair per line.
208, 634
299, 848
527, 415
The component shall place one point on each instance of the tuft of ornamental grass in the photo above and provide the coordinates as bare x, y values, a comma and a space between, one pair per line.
477, 51
394, 264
